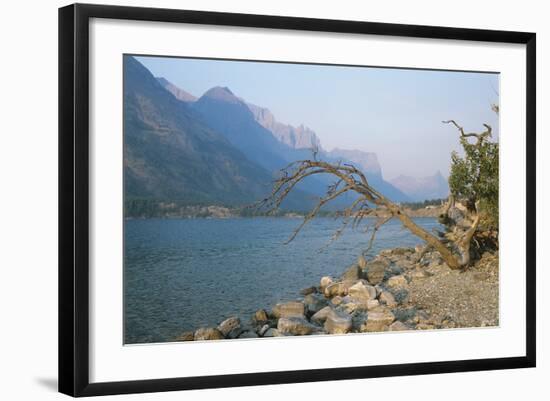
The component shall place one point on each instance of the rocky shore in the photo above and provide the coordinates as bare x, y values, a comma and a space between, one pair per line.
399, 289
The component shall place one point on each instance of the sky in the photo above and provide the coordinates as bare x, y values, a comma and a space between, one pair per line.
396, 113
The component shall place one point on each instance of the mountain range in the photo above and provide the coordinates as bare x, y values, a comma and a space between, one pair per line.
420, 189
295, 137
218, 149
169, 154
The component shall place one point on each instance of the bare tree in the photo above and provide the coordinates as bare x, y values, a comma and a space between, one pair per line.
454, 245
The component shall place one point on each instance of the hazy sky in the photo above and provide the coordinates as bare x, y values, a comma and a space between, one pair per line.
396, 113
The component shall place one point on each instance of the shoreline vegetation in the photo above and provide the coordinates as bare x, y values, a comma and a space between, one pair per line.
400, 289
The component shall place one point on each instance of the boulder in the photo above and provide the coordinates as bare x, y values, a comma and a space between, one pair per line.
321, 315
362, 292
350, 304
296, 326
401, 295
289, 309
325, 282
260, 316
263, 329
340, 288
248, 334
208, 333
229, 325
377, 321
314, 303
375, 272
186, 336
308, 290
337, 300
399, 326
372, 304
337, 322
235, 333
272, 333
387, 298
397, 281
353, 273
348, 307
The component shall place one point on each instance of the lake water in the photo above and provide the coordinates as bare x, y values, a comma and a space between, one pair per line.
183, 274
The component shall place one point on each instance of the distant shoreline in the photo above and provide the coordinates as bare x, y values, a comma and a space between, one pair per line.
170, 210
422, 213
414, 215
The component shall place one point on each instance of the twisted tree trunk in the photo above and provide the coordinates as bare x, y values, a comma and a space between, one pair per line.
369, 203
454, 246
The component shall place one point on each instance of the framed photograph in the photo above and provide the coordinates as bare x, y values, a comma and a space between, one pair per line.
251, 199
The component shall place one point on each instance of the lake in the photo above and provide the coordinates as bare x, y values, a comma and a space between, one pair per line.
180, 275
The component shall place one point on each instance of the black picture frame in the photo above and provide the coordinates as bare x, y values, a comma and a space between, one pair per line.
74, 198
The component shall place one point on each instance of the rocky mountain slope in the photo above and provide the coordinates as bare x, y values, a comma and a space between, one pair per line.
218, 149
300, 137
170, 154
179, 93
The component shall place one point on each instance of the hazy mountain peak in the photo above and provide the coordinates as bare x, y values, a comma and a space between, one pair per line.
300, 137
179, 93
367, 161
423, 188
221, 93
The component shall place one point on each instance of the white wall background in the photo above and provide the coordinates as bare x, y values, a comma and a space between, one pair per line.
28, 199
